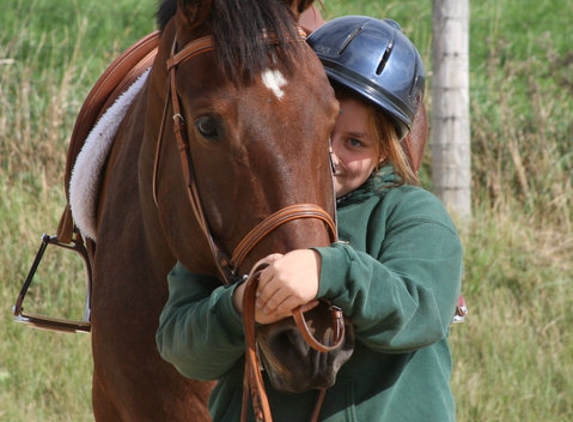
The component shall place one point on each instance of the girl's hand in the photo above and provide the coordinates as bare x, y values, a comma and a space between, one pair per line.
239, 294
290, 280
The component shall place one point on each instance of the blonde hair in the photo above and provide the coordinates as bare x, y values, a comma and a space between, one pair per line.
389, 145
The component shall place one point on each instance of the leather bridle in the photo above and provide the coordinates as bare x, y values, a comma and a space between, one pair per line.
228, 266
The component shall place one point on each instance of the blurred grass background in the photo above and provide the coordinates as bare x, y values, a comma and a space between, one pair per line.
513, 355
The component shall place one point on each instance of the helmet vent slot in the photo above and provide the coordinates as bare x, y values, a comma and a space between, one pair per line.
415, 86
385, 57
349, 39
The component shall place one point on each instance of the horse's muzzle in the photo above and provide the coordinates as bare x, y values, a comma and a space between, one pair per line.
292, 365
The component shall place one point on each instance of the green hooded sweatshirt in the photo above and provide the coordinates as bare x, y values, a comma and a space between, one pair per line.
396, 274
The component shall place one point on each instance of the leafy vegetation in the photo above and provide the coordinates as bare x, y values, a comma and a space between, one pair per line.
513, 357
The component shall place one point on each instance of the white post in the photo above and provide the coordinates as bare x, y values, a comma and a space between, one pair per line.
450, 130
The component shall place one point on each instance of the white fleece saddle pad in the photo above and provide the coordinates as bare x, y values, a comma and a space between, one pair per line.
87, 170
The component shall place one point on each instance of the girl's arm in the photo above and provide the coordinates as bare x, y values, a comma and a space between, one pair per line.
200, 332
404, 297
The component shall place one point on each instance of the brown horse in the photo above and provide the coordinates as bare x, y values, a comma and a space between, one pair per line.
193, 187
252, 112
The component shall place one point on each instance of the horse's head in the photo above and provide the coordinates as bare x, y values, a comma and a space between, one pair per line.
254, 109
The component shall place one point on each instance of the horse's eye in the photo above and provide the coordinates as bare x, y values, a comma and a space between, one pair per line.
207, 126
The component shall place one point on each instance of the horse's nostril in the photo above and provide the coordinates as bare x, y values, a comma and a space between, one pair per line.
287, 341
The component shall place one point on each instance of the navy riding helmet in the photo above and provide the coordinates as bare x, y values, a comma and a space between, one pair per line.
375, 59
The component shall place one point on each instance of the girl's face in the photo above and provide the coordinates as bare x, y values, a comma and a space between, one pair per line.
355, 150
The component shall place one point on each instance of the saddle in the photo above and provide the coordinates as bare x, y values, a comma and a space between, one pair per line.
122, 72
120, 75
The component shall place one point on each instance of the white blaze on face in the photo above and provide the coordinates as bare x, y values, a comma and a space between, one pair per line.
275, 81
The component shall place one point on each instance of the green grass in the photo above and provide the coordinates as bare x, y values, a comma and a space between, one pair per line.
44, 376
513, 357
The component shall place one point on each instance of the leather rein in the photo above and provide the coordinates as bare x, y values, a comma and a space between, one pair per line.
253, 383
228, 266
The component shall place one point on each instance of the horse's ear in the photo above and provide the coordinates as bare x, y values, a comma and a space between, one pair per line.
298, 6
194, 12
311, 19
306, 13
304, 4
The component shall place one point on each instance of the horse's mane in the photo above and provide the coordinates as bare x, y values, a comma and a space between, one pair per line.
237, 26
165, 11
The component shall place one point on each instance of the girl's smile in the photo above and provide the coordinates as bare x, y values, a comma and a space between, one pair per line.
355, 150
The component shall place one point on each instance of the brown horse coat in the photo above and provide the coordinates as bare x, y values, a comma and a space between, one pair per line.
254, 150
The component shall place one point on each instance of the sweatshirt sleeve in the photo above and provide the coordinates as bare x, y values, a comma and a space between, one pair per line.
400, 296
200, 332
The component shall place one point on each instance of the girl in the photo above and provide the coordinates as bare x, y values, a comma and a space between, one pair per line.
396, 273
